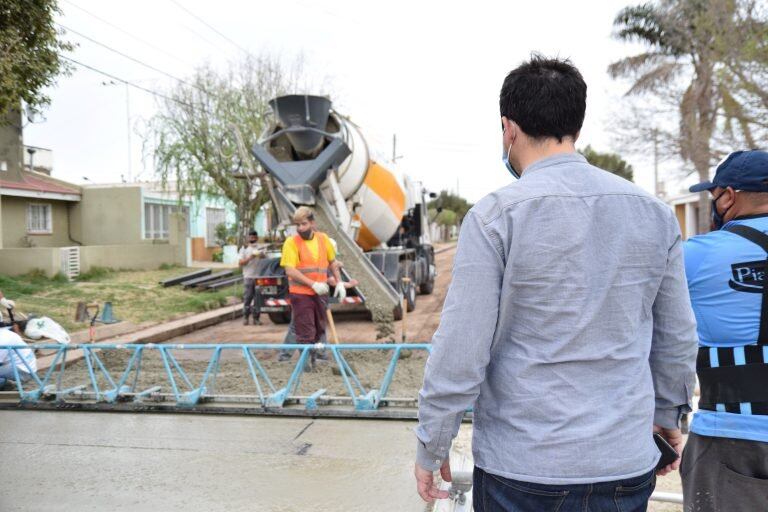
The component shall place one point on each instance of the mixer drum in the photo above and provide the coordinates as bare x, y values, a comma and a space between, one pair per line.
383, 206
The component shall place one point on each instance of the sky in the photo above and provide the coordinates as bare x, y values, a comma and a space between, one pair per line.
426, 71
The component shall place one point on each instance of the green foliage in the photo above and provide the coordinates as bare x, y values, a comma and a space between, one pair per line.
135, 295
705, 65
28, 284
29, 52
610, 162
168, 266
201, 138
447, 218
449, 201
226, 235
217, 257
60, 277
96, 274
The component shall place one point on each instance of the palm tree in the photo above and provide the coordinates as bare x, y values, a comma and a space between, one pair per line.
695, 50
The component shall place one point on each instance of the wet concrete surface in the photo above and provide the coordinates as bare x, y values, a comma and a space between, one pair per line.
77, 461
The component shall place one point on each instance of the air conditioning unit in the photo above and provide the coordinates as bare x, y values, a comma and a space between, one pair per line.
70, 261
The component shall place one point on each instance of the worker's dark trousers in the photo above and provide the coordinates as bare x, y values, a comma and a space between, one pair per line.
308, 317
492, 493
251, 295
724, 475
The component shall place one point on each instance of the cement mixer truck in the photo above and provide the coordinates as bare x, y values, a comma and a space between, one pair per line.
314, 156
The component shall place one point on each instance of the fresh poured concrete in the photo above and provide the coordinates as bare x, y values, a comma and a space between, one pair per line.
67, 461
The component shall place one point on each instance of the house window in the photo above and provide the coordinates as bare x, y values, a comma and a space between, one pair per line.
39, 221
213, 217
157, 220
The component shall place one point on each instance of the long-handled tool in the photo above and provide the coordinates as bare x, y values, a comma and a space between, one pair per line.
332, 325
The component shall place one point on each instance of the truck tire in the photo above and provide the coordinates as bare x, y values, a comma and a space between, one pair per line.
280, 317
410, 291
407, 289
427, 287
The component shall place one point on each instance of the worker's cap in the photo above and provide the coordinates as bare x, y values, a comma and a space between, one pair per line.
742, 170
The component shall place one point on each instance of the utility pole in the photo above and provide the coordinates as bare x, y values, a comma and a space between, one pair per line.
128, 130
395, 156
127, 124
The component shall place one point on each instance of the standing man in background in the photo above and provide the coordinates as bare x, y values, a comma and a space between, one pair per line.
567, 326
250, 256
725, 462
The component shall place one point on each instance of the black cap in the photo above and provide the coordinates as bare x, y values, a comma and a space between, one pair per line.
253, 232
742, 170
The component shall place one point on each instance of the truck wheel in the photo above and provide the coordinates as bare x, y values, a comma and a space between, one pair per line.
407, 289
280, 317
410, 297
427, 287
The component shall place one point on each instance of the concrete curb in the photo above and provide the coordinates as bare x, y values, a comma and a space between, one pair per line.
158, 333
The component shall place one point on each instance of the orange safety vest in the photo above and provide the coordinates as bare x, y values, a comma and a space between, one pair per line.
314, 268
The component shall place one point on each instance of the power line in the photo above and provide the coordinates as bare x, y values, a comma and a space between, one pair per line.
201, 20
137, 61
126, 82
143, 41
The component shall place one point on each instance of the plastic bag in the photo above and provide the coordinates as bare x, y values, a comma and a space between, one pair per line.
44, 327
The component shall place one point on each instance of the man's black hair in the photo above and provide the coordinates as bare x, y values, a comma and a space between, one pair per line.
253, 232
545, 97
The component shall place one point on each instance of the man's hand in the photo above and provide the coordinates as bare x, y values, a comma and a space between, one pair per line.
425, 483
320, 288
675, 439
7, 303
340, 291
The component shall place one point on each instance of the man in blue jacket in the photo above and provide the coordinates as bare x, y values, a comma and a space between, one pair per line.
725, 462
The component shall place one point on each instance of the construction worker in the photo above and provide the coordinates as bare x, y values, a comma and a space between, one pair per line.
249, 262
23, 358
290, 335
725, 461
307, 257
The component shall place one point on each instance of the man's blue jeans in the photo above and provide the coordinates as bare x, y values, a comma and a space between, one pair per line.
6, 374
491, 493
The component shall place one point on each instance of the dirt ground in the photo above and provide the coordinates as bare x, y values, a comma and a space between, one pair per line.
234, 378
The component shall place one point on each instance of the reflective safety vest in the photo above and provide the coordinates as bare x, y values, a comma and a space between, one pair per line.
735, 379
314, 268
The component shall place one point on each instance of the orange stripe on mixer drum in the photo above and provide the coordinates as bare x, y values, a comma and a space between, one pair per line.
384, 184
365, 239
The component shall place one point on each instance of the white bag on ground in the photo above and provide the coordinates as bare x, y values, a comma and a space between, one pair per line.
44, 327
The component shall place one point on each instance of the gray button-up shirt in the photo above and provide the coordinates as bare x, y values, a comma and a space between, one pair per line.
568, 328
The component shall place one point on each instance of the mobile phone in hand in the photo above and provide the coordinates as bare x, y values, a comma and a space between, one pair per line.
668, 454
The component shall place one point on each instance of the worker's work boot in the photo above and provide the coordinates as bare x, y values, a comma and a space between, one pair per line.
245, 320
256, 319
285, 355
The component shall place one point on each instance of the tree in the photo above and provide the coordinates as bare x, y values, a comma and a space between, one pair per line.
610, 162
707, 58
30, 51
449, 201
447, 218
201, 135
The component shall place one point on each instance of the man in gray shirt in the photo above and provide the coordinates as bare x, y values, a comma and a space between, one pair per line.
250, 256
567, 326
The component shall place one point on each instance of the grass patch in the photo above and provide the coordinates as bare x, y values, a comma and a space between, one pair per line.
136, 296
96, 274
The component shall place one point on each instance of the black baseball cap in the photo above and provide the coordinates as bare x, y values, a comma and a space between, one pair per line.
742, 170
